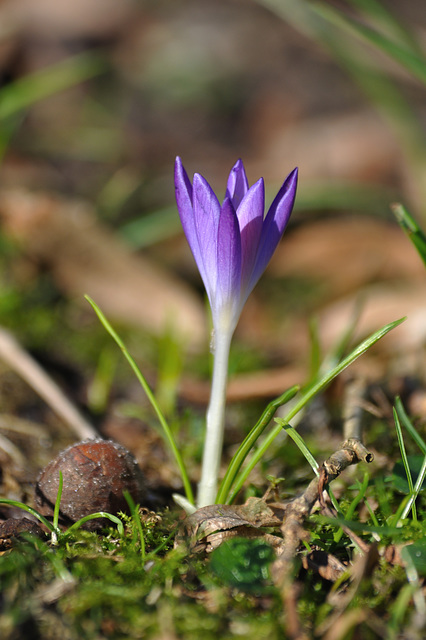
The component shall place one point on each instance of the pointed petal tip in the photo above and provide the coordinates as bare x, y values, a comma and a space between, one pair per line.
289, 185
199, 180
237, 185
293, 175
180, 172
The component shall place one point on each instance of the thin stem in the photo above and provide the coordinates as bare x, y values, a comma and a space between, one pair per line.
212, 453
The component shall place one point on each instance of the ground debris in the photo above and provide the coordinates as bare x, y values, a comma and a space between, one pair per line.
12, 529
209, 526
325, 564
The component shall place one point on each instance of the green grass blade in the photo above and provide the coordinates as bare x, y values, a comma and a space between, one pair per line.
416, 490
58, 502
94, 516
28, 509
410, 59
249, 441
137, 521
409, 425
306, 398
382, 16
362, 489
376, 11
34, 87
411, 229
144, 384
353, 525
152, 228
298, 440
404, 458
378, 86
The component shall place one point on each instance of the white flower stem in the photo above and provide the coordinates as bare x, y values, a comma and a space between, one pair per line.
215, 421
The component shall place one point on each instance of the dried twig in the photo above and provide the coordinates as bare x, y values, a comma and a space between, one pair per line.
351, 452
25, 366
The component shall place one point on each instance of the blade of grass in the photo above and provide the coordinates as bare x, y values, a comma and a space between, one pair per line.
144, 384
371, 512
410, 228
411, 60
298, 440
378, 86
404, 459
362, 488
94, 516
41, 84
409, 425
380, 14
249, 441
57, 508
28, 509
416, 490
21, 94
381, 530
137, 521
306, 398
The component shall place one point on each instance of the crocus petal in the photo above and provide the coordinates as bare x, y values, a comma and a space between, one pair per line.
183, 190
228, 263
250, 218
237, 184
274, 225
206, 215
232, 244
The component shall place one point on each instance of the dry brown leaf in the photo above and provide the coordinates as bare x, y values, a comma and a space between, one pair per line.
55, 20
382, 304
357, 145
208, 527
259, 384
87, 258
346, 254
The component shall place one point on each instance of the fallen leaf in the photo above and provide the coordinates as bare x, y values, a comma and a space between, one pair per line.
208, 527
85, 257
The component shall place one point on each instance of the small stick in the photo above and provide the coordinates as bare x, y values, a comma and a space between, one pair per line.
25, 366
353, 407
351, 452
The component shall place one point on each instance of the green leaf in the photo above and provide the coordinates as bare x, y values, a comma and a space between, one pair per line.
417, 554
243, 563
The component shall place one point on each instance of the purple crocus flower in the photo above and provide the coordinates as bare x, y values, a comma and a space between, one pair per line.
232, 243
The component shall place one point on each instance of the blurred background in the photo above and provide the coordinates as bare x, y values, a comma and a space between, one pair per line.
99, 96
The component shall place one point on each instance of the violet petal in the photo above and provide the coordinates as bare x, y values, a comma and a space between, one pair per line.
206, 215
237, 186
274, 225
228, 258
